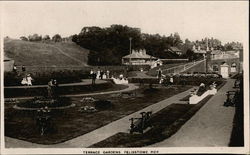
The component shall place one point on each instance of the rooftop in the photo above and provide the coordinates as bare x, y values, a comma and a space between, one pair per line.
139, 54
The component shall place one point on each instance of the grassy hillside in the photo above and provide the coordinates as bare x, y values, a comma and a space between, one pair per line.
45, 54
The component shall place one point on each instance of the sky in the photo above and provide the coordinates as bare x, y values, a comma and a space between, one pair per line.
224, 20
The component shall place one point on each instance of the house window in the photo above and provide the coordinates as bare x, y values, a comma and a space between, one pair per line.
233, 67
215, 68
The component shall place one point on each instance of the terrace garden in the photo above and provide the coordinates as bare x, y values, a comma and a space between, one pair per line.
70, 123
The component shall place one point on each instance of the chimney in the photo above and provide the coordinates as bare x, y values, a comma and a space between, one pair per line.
207, 45
140, 51
194, 48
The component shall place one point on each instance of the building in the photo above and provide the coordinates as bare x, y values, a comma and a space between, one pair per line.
221, 62
201, 50
140, 57
8, 64
224, 62
175, 50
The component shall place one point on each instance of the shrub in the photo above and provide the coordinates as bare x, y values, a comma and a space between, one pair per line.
39, 102
180, 80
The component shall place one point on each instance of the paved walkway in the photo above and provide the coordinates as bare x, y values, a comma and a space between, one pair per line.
121, 125
210, 126
130, 88
143, 74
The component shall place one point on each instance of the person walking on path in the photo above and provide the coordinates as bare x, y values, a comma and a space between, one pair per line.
14, 69
50, 89
107, 73
90, 73
93, 78
55, 88
24, 81
101, 74
159, 74
23, 68
171, 80
98, 73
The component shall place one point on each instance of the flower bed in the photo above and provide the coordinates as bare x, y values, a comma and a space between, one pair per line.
39, 102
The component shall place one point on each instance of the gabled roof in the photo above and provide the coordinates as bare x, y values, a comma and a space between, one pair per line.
200, 51
139, 55
7, 58
174, 49
216, 52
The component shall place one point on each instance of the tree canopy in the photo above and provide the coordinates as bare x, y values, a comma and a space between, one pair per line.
57, 38
109, 45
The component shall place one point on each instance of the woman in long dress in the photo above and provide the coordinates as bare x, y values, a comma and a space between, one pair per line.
29, 80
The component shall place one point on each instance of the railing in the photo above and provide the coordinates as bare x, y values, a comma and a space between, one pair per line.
181, 68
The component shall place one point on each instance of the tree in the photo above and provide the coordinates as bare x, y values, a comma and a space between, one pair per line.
24, 38
46, 37
35, 37
191, 55
57, 38
110, 44
177, 39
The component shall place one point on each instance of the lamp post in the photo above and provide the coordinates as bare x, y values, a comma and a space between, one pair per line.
130, 40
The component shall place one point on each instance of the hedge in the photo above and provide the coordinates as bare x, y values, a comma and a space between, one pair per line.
178, 80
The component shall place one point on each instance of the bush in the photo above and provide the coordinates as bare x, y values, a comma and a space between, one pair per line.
144, 80
42, 102
180, 80
12, 79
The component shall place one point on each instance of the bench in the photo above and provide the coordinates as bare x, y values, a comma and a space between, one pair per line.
140, 124
232, 98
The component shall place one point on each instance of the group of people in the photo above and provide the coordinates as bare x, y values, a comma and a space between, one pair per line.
27, 80
162, 78
99, 74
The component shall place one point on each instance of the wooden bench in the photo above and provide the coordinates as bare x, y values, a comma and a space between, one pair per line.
140, 124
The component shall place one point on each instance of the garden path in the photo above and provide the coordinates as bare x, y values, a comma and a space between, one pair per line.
210, 126
143, 74
129, 88
121, 125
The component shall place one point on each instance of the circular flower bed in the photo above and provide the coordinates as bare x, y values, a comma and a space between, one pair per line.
41, 102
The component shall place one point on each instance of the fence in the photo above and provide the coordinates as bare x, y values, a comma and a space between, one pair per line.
181, 68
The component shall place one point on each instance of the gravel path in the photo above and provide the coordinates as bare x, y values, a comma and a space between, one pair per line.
210, 126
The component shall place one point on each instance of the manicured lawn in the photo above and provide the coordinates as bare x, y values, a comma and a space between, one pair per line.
165, 123
71, 123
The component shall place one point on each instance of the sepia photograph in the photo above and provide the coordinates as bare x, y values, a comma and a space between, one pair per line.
124, 77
